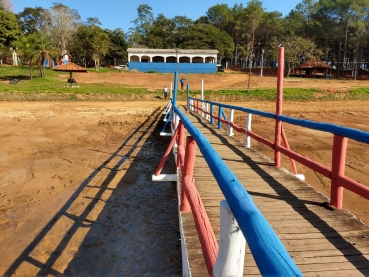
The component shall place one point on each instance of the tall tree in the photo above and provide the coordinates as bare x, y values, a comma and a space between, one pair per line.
142, 24
61, 23
29, 48
160, 33
237, 28
295, 48
204, 36
95, 41
9, 28
254, 13
342, 13
118, 46
182, 26
271, 25
219, 16
31, 19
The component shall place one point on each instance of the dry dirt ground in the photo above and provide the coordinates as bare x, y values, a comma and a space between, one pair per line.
76, 196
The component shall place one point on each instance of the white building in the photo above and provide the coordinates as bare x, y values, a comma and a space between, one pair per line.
166, 60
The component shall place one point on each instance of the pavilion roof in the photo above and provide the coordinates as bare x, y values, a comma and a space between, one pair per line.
70, 67
314, 64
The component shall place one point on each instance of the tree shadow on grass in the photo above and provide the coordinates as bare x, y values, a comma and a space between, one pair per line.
18, 77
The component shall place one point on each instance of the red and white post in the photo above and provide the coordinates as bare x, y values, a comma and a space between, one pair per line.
338, 169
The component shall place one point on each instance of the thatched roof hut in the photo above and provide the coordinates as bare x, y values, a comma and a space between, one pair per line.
313, 68
314, 64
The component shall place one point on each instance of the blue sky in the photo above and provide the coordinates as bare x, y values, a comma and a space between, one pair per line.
119, 13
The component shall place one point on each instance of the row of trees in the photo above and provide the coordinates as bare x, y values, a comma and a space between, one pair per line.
39, 34
335, 31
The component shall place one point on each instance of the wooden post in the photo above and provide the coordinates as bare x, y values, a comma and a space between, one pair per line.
248, 128
211, 113
207, 110
202, 97
189, 163
231, 120
338, 169
220, 111
285, 142
232, 244
175, 88
181, 132
166, 154
279, 101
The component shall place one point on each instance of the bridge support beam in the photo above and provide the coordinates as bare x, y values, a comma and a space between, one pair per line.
189, 164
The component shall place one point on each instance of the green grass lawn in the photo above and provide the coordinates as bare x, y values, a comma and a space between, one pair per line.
52, 88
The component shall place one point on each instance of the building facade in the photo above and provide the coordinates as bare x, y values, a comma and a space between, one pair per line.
170, 60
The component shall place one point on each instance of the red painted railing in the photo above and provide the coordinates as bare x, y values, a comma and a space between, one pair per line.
190, 198
336, 173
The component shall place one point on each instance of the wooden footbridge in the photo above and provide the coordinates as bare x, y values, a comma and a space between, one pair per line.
241, 214
321, 240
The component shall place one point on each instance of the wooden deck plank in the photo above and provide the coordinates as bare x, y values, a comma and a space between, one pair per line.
321, 240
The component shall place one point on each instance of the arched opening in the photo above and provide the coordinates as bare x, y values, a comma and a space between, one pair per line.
210, 60
134, 59
145, 59
158, 59
171, 59
197, 60
184, 60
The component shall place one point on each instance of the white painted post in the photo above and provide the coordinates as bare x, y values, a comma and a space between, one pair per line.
231, 120
232, 244
176, 122
202, 97
207, 110
171, 90
248, 128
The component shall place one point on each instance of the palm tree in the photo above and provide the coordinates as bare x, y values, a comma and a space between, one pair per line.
47, 51
29, 48
36, 48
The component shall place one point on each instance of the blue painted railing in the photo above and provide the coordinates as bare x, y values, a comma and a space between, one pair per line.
268, 251
351, 133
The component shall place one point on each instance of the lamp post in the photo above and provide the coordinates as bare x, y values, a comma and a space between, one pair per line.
262, 62
175, 47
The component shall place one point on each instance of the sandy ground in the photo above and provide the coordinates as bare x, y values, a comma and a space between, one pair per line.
76, 196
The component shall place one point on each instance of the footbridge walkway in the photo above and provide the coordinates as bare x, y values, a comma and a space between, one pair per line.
322, 240
242, 214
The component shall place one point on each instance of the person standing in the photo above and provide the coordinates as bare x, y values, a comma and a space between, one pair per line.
165, 91
182, 82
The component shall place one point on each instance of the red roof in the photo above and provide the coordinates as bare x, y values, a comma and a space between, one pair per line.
70, 67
